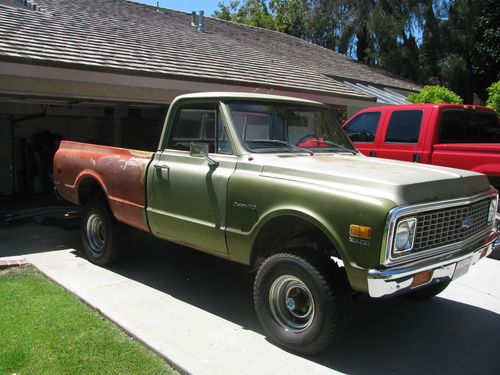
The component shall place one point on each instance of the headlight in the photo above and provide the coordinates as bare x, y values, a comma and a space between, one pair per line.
492, 211
405, 235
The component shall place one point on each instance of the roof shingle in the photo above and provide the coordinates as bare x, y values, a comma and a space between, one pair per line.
122, 35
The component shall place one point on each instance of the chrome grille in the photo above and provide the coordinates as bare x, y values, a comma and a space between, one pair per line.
449, 225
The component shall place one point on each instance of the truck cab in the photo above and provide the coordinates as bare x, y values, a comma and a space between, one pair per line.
450, 135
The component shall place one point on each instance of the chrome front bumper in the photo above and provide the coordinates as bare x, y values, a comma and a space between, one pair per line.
400, 280
496, 244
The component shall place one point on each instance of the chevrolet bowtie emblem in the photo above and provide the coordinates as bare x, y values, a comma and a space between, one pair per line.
466, 223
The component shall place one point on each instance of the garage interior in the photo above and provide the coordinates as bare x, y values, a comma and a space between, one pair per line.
32, 127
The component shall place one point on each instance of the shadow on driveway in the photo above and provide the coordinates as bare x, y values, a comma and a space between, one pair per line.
386, 336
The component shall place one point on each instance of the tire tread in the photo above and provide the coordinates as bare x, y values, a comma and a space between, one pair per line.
336, 287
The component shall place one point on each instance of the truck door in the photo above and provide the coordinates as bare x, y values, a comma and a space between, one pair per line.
187, 196
402, 138
362, 130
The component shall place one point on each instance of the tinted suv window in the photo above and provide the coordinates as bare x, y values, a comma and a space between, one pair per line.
363, 127
404, 127
469, 126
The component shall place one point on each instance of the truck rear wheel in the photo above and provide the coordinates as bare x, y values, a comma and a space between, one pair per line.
102, 234
302, 303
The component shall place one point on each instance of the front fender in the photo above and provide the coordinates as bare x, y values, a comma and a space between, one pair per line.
302, 213
331, 211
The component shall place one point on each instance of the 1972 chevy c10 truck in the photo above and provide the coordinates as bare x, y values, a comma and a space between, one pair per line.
318, 223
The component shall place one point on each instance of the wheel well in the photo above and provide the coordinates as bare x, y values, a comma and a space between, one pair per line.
89, 189
289, 233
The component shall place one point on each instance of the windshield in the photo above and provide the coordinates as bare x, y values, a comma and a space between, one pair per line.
284, 127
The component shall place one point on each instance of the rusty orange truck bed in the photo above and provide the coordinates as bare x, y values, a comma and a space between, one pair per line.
80, 167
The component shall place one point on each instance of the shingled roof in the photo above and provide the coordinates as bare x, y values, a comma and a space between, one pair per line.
119, 35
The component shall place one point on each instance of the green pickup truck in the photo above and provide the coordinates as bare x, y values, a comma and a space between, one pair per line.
232, 177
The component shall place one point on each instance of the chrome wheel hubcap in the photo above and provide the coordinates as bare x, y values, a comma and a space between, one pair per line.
95, 233
291, 303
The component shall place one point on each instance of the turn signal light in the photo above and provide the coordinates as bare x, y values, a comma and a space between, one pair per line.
360, 231
422, 278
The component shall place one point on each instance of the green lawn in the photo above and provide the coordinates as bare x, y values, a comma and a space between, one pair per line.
46, 330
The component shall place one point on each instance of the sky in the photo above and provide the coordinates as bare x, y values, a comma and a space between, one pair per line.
186, 5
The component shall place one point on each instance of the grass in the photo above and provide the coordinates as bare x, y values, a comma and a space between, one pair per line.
46, 330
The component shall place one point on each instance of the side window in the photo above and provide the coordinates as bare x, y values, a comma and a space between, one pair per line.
461, 126
199, 126
363, 128
404, 127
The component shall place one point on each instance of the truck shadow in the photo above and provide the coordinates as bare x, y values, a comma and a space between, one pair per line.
402, 336
385, 336
31, 238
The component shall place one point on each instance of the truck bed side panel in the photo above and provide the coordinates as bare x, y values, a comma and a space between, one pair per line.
120, 172
483, 158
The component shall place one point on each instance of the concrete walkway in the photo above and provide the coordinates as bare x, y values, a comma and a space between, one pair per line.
197, 312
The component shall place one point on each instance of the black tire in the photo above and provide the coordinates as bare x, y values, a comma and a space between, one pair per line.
427, 292
102, 235
288, 321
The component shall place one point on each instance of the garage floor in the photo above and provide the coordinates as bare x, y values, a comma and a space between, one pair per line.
197, 311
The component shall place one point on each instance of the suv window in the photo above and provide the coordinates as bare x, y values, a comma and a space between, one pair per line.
363, 128
199, 126
469, 126
404, 127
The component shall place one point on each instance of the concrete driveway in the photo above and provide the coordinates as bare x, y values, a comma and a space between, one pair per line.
196, 311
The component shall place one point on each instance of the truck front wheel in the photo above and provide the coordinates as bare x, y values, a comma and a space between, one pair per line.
101, 234
302, 303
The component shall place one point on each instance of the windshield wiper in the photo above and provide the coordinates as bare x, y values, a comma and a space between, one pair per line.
330, 143
277, 141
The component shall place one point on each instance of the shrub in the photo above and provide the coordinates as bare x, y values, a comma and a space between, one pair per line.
494, 96
434, 94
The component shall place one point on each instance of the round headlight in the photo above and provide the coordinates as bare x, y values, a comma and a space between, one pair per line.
402, 236
405, 234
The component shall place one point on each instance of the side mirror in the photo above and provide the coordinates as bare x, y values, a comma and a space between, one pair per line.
201, 150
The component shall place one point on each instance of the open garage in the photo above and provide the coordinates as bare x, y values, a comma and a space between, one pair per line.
31, 128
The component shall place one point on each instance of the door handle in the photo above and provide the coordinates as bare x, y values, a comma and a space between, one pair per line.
161, 166
373, 153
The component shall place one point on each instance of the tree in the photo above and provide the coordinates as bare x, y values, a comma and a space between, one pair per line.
393, 25
251, 12
494, 96
472, 53
431, 50
435, 94
485, 56
290, 16
448, 42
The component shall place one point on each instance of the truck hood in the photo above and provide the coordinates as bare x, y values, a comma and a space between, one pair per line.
401, 182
